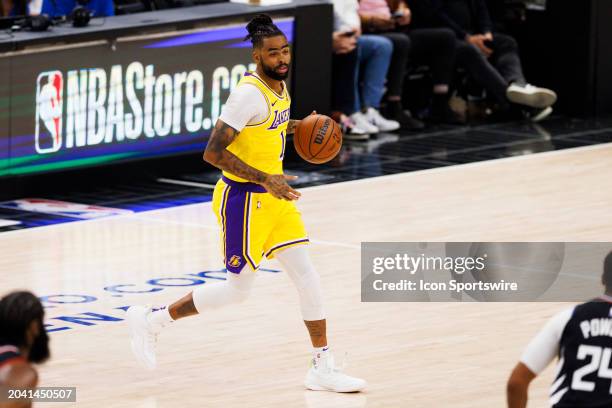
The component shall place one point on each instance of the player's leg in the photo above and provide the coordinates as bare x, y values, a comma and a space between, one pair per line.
146, 322
232, 207
323, 375
235, 289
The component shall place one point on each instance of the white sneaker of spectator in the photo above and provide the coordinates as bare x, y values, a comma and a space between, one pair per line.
362, 122
350, 130
384, 125
530, 95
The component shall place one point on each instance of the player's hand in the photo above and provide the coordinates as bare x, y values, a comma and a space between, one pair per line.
296, 123
276, 184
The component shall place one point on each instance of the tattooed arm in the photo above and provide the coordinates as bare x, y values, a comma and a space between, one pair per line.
293, 123
216, 153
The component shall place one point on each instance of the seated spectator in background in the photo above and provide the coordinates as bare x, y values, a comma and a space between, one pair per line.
435, 46
61, 8
19, 8
360, 67
491, 58
23, 340
35, 7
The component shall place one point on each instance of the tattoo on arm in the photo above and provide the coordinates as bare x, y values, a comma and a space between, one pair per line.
292, 125
217, 154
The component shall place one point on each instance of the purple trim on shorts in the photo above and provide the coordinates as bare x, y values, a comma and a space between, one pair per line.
222, 210
234, 230
250, 187
284, 244
248, 233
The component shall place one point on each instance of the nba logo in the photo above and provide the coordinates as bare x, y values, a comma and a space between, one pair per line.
49, 109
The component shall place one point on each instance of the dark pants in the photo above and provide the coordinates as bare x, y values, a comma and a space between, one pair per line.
344, 69
496, 72
434, 46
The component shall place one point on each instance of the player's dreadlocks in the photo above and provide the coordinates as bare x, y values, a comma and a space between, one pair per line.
260, 27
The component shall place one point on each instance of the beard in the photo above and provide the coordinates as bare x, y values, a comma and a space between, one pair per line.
271, 72
39, 351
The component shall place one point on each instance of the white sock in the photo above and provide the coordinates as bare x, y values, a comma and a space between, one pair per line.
160, 317
320, 356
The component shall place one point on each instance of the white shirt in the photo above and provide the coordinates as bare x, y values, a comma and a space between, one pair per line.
245, 105
545, 345
35, 6
346, 17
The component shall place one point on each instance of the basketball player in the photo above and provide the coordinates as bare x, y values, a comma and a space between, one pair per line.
23, 340
255, 209
581, 337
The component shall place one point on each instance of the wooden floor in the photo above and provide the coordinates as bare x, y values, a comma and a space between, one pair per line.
256, 354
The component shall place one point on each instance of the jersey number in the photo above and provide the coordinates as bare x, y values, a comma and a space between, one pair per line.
282, 155
600, 362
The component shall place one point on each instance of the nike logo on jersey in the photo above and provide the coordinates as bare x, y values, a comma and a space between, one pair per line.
275, 102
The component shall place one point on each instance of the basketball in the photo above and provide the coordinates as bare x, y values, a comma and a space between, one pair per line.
317, 139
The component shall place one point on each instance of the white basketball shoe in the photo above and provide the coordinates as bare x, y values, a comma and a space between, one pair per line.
143, 335
325, 376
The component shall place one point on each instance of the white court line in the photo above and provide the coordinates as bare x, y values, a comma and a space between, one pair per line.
360, 181
185, 183
216, 227
8, 223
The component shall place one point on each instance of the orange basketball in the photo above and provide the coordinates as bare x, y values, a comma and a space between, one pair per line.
317, 139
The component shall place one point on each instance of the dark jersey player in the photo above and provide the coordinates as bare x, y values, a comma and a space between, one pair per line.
581, 338
23, 341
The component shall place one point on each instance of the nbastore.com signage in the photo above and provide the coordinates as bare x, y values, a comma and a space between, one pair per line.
97, 103
124, 104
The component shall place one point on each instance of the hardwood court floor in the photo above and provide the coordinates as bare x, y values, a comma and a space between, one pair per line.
256, 354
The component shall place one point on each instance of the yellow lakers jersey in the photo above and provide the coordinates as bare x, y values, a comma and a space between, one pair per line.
262, 145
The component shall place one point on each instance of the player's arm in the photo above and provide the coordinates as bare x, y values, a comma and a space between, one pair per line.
540, 352
294, 123
216, 153
20, 376
518, 385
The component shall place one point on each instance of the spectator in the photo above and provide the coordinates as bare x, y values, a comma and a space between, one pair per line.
35, 6
360, 67
491, 58
9, 8
61, 8
23, 340
436, 46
